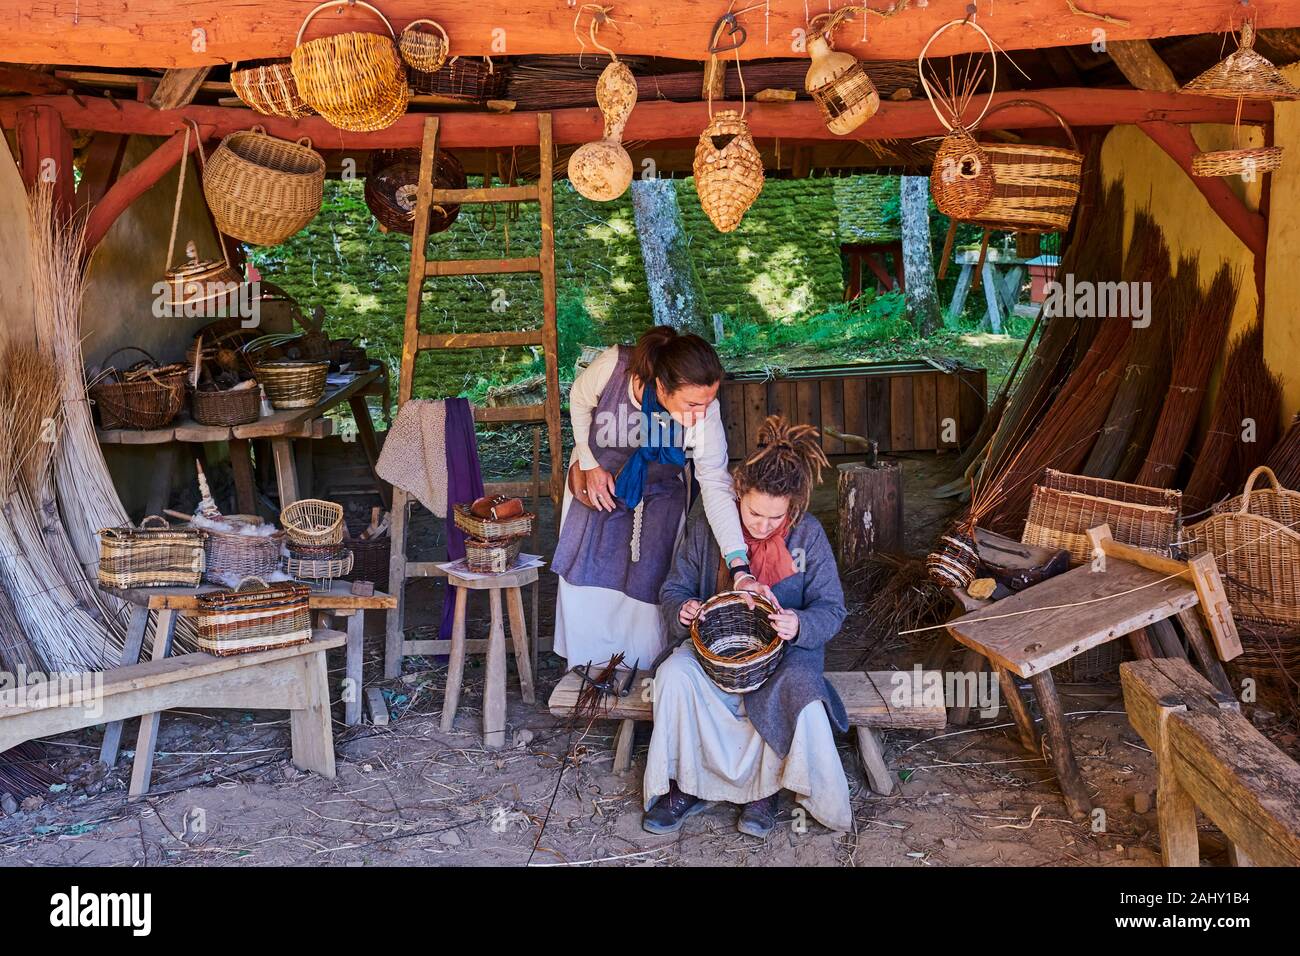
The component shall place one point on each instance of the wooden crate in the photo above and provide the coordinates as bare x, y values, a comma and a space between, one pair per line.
902, 405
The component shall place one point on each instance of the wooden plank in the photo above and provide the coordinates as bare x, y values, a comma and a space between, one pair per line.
901, 412
780, 398
855, 406
973, 399
377, 706
1142, 66
731, 403
178, 87
481, 340
286, 422
339, 597
536, 412
947, 410
756, 411
550, 328
481, 267
807, 403
879, 427
925, 411
832, 407
486, 195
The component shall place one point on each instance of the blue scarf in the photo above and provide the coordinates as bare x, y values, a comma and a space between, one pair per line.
662, 439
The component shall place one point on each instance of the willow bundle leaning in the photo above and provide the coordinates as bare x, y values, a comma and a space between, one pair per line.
1284, 459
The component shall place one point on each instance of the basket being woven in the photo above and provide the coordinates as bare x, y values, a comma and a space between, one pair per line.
728, 170
1064, 507
145, 395
253, 618
392, 182
268, 87
488, 529
292, 384
150, 557
736, 645
262, 189
313, 521
1246, 162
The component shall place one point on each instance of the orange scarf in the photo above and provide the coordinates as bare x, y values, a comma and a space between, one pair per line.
770, 558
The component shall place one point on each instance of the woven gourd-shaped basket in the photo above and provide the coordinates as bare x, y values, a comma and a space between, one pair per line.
837, 82
736, 645
728, 170
356, 81
263, 189
268, 87
313, 521
962, 176
421, 50
391, 183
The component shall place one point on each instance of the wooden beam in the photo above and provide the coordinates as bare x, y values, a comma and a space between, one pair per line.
650, 122
1250, 227
21, 79
162, 33
178, 88
1142, 66
46, 151
101, 167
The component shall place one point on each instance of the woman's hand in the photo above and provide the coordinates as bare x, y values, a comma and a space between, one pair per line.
689, 612
786, 624
596, 489
751, 585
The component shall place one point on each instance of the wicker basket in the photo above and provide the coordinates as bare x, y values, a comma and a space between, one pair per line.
962, 176
292, 384
492, 557
728, 170
318, 568
253, 618
1270, 656
424, 51
736, 645
837, 82
230, 555
231, 406
145, 395
1064, 507
954, 562
262, 189
1247, 162
370, 558
391, 185
150, 557
487, 529
313, 521
1244, 74
268, 87
356, 81
463, 79
1256, 546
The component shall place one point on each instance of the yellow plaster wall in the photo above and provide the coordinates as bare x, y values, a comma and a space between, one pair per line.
1282, 282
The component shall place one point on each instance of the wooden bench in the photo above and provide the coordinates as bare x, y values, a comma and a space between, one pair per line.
287, 678
867, 695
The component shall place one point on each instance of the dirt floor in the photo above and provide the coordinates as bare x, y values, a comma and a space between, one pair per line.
225, 793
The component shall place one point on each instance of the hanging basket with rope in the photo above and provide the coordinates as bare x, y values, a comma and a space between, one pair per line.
728, 167
836, 80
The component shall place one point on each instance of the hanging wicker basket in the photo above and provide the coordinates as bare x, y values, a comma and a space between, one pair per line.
737, 645
144, 395
1244, 74
392, 182
463, 79
837, 82
1248, 163
268, 87
423, 50
962, 176
728, 170
262, 189
356, 81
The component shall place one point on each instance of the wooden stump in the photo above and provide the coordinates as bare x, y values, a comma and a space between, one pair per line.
870, 510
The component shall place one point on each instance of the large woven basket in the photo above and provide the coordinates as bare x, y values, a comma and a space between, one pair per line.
391, 185
253, 618
728, 170
1035, 188
356, 81
226, 407
1270, 656
143, 395
1256, 545
268, 87
292, 384
262, 189
232, 556
488, 529
736, 645
463, 79
1064, 507
150, 557
491, 557
313, 521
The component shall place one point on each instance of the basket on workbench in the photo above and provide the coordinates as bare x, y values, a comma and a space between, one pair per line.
150, 556
736, 644
313, 521
231, 556
258, 618
492, 557
1064, 507
318, 562
262, 189
490, 529
290, 383
370, 556
268, 87
226, 407
144, 395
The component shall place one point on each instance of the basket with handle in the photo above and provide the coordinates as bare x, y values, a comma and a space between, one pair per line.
263, 189
313, 521
231, 555
150, 556
489, 529
145, 395
1256, 545
424, 50
254, 616
268, 87
356, 81
736, 645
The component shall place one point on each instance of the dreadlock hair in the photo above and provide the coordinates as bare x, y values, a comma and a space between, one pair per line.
788, 463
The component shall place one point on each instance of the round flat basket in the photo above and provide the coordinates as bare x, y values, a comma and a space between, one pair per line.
391, 184
736, 644
1247, 163
268, 87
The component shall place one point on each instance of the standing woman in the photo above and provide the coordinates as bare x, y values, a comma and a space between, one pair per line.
639, 414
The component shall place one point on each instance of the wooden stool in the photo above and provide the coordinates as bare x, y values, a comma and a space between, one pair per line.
494, 691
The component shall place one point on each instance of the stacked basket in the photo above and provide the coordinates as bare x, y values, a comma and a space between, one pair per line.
316, 551
232, 555
253, 618
492, 545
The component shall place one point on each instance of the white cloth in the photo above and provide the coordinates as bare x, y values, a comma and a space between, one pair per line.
705, 443
415, 453
703, 740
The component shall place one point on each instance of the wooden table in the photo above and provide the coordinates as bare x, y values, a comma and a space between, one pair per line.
1001, 292
280, 428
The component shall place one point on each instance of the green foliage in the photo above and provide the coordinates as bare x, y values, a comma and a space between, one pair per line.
843, 328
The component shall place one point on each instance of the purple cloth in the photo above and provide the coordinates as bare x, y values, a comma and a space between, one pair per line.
464, 485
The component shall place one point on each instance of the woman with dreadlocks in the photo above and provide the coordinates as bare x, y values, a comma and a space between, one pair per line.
711, 745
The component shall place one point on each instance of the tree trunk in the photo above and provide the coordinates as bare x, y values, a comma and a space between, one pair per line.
675, 294
921, 293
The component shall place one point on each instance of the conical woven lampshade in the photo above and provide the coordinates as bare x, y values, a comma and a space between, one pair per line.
1245, 74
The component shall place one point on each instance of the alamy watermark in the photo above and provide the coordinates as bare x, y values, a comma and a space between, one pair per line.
41, 689
1098, 300
978, 690
214, 299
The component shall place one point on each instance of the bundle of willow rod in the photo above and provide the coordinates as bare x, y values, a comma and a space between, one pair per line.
24, 772
1243, 427
887, 594
1201, 334
1284, 459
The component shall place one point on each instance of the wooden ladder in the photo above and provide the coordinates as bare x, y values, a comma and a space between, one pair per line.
414, 341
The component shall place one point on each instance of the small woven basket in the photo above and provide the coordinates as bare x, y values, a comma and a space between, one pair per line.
262, 189
1065, 507
728, 170
150, 557
313, 521
1247, 162
292, 384
422, 50
962, 176
463, 79
1244, 74
253, 618
954, 562
736, 645
231, 406
488, 529
492, 557
145, 395
268, 87
356, 81
312, 567
230, 555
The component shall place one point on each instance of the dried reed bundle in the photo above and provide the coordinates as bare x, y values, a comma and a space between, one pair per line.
1244, 424
24, 771
1284, 459
887, 594
1201, 334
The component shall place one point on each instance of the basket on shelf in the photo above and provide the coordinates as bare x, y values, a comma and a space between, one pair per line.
736, 645
290, 383
226, 407
356, 81
150, 556
144, 395
463, 79
263, 189
1064, 507
268, 87
318, 562
421, 49
492, 557
370, 557
728, 170
313, 521
392, 182
352, 358
255, 618
489, 529
232, 556
1256, 545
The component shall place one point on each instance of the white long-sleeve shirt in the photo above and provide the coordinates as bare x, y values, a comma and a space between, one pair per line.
705, 442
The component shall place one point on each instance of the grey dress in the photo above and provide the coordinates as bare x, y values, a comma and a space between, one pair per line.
814, 593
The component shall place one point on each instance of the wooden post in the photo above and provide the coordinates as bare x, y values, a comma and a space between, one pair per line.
46, 151
870, 510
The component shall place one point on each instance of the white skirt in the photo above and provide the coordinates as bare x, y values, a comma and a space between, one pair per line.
703, 740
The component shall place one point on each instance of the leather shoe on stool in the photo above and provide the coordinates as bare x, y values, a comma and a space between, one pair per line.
758, 818
671, 810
